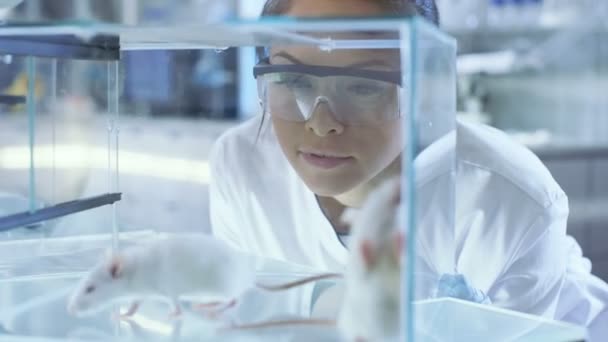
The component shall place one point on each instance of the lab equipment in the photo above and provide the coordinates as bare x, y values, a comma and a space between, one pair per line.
496, 13
63, 209
5, 4
403, 83
507, 15
44, 148
464, 15
11, 99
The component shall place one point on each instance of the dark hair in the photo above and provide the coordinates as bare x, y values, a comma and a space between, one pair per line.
425, 8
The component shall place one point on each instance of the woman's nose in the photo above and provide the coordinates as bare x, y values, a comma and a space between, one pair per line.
322, 121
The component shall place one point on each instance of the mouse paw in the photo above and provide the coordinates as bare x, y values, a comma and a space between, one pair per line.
206, 306
176, 314
214, 310
129, 313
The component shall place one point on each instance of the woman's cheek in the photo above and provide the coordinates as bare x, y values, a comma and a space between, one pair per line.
287, 134
385, 141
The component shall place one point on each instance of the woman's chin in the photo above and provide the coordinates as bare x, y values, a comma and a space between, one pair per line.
329, 182
329, 186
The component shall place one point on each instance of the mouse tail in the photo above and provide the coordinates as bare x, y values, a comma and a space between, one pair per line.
299, 282
287, 322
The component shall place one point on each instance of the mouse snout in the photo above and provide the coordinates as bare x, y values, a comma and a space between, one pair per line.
71, 308
75, 308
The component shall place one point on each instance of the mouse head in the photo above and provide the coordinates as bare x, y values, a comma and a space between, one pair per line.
389, 251
376, 226
105, 282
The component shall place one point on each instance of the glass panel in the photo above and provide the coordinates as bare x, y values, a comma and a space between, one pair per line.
433, 148
344, 105
562, 86
178, 102
33, 303
65, 127
65, 122
119, 12
14, 175
473, 249
449, 319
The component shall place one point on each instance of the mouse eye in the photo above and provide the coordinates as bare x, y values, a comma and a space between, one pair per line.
89, 289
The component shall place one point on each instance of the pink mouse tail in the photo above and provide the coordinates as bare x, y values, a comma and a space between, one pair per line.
287, 322
303, 281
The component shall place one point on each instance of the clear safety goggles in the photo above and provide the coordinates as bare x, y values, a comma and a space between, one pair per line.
355, 96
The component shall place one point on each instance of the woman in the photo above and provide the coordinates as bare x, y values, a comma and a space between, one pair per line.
281, 181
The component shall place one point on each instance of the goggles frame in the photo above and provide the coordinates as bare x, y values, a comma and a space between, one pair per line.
264, 67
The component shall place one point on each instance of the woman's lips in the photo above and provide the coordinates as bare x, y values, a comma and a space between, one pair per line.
324, 160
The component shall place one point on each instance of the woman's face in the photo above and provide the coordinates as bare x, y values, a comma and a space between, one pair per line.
331, 155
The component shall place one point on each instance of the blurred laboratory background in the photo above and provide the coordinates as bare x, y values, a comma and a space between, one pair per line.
537, 69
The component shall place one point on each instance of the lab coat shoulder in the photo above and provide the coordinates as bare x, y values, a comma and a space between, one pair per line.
526, 211
508, 211
237, 162
546, 272
488, 168
534, 205
488, 148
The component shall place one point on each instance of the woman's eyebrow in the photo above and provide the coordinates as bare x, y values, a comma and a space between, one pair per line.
372, 62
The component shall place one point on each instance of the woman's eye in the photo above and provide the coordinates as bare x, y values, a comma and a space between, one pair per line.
365, 89
89, 289
294, 82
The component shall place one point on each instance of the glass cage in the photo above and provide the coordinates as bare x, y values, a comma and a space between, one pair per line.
66, 166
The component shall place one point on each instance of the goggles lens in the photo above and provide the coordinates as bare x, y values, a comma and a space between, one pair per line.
354, 100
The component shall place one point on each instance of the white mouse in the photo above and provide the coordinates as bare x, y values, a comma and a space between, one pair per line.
371, 307
202, 267
371, 304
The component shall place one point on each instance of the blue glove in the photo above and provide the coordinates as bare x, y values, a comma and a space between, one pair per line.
456, 286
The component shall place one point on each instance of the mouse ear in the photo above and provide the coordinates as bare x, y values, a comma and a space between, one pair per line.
398, 246
368, 253
116, 267
396, 196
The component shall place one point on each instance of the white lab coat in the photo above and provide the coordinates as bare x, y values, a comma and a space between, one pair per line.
509, 238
